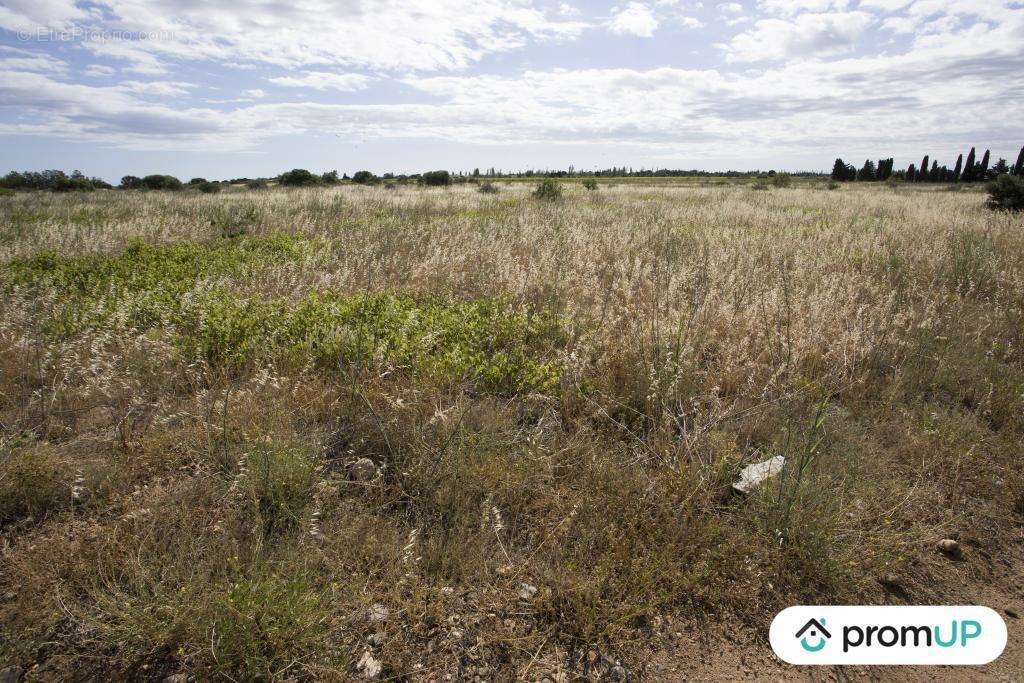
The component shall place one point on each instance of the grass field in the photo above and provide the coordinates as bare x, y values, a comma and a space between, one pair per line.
299, 433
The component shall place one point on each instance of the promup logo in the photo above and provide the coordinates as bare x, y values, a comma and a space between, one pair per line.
888, 635
817, 630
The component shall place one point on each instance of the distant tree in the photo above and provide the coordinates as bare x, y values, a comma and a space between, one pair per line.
884, 169
330, 178
922, 177
982, 171
1018, 168
436, 178
363, 177
911, 174
1000, 168
842, 171
298, 177
968, 174
158, 181
958, 168
839, 170
867, 172
935, 174
198, 181
130, 182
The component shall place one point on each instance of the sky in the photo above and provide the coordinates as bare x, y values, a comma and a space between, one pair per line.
251, 88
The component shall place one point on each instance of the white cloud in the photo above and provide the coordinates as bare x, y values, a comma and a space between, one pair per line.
885, 5
791, 7
730, 8
15, 59
321, 80
383, 34
254, 93
635, 19
815, 35
158, 88
691, 22
98, 71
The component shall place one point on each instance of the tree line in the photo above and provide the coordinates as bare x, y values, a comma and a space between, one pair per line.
970, 170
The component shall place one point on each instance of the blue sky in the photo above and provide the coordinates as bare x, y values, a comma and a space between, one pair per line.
254, 87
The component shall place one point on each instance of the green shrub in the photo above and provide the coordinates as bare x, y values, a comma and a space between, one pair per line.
363, 178
30, 484
161, 182
256, 184
436, 178
261, 625
487, 188
548, 189
298, 177
590, 184
782, 180
1006, 193
279, 481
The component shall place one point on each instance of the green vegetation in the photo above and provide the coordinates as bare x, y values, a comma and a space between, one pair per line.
1006, 192
548, 189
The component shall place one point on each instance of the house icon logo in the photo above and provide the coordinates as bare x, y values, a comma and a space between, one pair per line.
815, 631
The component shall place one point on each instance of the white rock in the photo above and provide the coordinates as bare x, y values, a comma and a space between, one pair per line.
754, 475
363, 469
378, 613
526, 591
369, 666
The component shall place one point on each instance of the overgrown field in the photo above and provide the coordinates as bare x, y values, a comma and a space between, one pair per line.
553, 396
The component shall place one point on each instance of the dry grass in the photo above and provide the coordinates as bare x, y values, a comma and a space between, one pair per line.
555, 394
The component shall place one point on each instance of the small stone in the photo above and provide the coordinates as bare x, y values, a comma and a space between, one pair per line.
368, 666
949, 547
890, 580
10, 674
526, 591
363, 469
378, 613
375, 639
754, 475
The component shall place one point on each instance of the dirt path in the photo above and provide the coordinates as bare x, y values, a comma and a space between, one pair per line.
728, 652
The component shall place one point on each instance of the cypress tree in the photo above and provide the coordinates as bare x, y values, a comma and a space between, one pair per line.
983, 169
911, 174
934, 175
1018, 168
839, 171
968, 176
923, 176
959, 167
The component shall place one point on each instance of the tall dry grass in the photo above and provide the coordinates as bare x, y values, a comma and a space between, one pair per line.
165, 510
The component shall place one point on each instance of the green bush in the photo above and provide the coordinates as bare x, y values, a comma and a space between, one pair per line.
590, 184
30, 484
1006, 193
298, 177
279, 482
548, 189
436, 178
363, 178
487, 188
782, 180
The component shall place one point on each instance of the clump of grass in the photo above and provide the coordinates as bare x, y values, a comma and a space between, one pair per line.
488, 188
33, 483
277, 484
